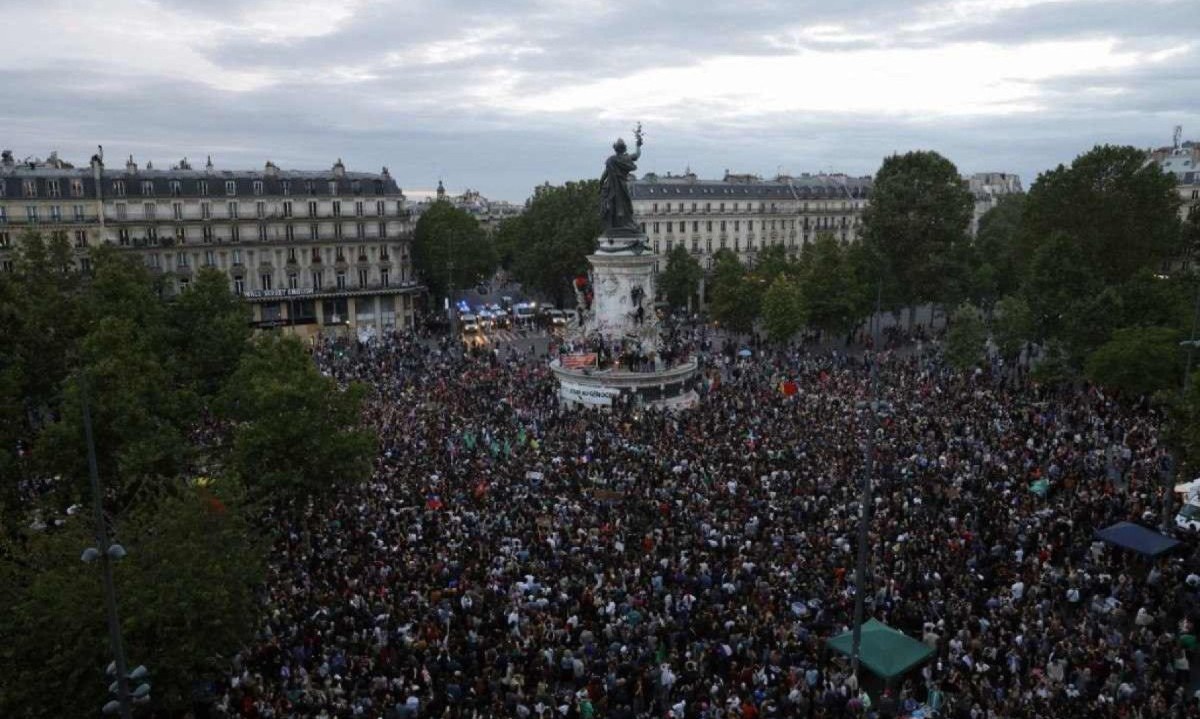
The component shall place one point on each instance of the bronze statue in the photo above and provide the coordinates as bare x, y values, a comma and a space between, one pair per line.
616, 203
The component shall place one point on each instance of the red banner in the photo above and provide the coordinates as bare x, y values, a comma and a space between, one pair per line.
579, 361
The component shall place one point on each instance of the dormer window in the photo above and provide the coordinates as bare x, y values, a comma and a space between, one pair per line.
118, 187
202, 187
176, 188
356, 187
258, 187
285, 187
29, 188
333, 188
230, 188
147, 188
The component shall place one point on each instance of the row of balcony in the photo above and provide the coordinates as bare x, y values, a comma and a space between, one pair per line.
766, 211
171, 241
274, 216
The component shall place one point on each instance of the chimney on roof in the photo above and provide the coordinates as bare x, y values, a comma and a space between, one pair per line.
6, 158
386, 175
208, 166
271, 169
339, 169
184, 164
149, 164
130, 165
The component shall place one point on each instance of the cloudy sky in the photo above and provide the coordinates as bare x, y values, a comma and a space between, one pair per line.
501, 96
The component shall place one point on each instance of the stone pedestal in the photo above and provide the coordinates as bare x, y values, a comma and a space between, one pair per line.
623, 298
622, 312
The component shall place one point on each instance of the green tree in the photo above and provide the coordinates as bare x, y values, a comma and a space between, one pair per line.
835, 293
510, 239
139, 416
1120, 209
187, 604
295, 433
919, 212
43, 322
680, 280
1012, 326
966, 337
210, 330
139, 412
735, 296
449, 247
559, 229
998, 269
783, 311
1137, 361
773, 261
1059, 276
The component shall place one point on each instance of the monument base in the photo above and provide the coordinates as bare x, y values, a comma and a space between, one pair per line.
670, 389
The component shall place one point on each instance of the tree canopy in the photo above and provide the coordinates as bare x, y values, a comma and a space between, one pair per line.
965, 338
450, 248
918, 214
1119, 210
680, 279
736, 294
783, 310
549, 243
295, 433
833, 281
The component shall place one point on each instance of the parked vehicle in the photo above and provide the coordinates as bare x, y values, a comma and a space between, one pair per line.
525, 312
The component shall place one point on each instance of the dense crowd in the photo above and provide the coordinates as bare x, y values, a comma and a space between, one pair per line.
512, 559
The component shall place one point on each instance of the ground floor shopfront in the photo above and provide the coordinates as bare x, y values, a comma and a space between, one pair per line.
361, 313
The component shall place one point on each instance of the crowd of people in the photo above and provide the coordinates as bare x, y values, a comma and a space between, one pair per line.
509, 558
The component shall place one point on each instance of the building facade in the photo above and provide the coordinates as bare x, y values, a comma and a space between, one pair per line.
987, 188
489, 213
1182, 160
320, 252
745, 213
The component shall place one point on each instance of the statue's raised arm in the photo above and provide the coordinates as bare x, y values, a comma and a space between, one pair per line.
616, 201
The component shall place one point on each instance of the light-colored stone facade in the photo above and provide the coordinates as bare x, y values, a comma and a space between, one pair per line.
320, 252
987, 188
745, 213
1182, 160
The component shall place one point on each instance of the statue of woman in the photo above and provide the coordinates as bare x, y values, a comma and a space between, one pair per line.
616, 203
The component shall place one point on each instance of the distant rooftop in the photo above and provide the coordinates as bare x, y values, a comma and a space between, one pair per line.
734, 186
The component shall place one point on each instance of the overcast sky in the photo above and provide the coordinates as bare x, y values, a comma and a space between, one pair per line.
500, 96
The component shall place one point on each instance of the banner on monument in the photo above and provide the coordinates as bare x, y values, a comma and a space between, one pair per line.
579, 361
600, 396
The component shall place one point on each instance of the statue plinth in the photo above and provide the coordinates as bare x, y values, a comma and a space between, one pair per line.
623, 318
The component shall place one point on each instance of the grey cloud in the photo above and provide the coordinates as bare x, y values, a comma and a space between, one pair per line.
418, 121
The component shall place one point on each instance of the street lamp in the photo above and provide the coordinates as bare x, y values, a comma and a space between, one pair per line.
112, 552
860, 570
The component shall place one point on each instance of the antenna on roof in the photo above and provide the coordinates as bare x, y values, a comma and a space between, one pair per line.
1177, 140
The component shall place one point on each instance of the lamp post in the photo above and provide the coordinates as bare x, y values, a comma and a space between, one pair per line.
107, 554
864, 519
1169, 474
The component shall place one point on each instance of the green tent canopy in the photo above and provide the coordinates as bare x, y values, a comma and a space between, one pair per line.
886, 652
